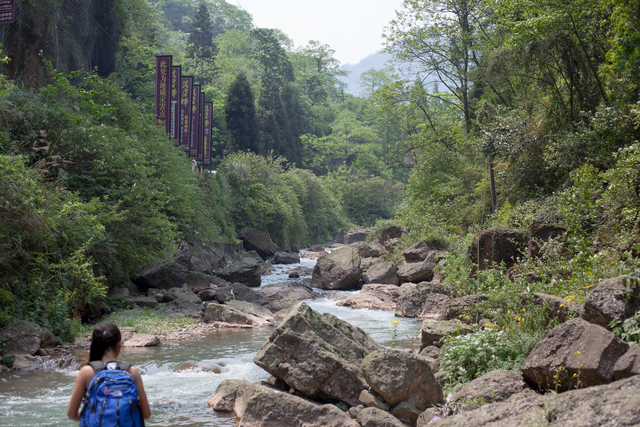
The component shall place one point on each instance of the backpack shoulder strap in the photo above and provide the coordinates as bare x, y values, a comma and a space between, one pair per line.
124, 366
97, 365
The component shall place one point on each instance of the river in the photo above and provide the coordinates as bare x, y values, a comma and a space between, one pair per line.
40, 398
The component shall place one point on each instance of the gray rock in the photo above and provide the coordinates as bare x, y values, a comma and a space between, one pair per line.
259, 405
353, 411
300, 271
224, 397
373, 250
316, 248
355, 236
252, 309
385, 273
340, 270
25, 362
285, 258
373, 297
208, 294
254, 240
142, 340
399, 376
245, 271
296, 290
417, 252
318, 355
616, 404
433, 331
425, 300
224, 293
629, 364
391, 232
416, 272
223, 313
612, 299
496, 246
22, 337
406, 412
279, 305
494, 386
196, 279
430, 351
457, 308
587, 350
426, 416
183, 302
371, 401
244, 293
374, 417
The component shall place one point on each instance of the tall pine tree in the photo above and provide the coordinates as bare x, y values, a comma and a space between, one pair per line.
240, 114
200, 43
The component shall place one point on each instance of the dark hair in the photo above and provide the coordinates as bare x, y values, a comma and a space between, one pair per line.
104, 337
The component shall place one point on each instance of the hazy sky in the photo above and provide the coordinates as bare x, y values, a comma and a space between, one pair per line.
353, 28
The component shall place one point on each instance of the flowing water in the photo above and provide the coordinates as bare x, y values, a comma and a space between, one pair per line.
40, 398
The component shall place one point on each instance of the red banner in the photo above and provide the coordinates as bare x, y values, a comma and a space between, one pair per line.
208, 117
7, 11
174, 123
195, 122
163, 89
185, 112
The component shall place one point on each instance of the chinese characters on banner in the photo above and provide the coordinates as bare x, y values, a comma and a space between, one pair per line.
195, 122
181, 110
185, 112
7, 11
176, 75
208, 115
163, 89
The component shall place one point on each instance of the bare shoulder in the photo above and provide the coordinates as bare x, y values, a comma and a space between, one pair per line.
86, 371
134, 372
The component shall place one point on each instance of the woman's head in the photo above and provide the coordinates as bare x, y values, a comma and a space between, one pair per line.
104, 337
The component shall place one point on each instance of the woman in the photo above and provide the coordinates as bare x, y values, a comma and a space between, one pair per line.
106, 344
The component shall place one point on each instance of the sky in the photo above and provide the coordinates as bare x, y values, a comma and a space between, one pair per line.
353, 28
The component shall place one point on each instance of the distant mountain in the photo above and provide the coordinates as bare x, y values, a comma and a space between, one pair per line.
376, 60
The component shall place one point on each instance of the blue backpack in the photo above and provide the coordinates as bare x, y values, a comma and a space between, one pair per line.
112, 398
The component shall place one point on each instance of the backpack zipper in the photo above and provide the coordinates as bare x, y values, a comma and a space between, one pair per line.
104, 402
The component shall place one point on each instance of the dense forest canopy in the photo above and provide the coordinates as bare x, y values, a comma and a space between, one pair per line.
545, 93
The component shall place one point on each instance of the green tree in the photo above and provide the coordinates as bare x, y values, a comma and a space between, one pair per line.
271, 56
240, 116
200, 43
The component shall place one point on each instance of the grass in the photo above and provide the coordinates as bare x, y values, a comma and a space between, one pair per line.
145, 320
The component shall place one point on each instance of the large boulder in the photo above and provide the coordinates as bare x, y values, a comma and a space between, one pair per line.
417, 252
575, 347
203, 258
252, 309
372, 250
616, 404
374, 296
222, 313
629, 364
279, 305
297, 290
224, 397
418, 271
317, 354
167, 275
385, 272
246, 271
355, 236
242, 292
374, 417
254, 240
496, 246
540, 233
433, 331
182, 300
391, 232
457, 307
285, 258
398, 376
612, 299
494, 386
262, 405
25, 338
426, 300
340, 270
142, 340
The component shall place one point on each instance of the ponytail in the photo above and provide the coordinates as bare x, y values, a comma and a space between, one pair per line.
103, 338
